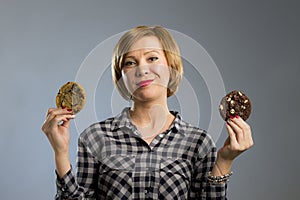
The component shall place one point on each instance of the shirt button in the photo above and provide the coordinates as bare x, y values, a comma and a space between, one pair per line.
161, 135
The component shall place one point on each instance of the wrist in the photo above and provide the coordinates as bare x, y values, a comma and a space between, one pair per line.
61, 153
224, 162
218, 179
61, 156
63, 164
221, 167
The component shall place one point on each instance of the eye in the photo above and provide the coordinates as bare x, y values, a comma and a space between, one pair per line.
129, 63
153, 58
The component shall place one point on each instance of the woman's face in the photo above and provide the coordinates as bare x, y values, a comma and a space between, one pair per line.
145, 71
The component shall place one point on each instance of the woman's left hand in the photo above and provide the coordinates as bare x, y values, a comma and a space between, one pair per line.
239, 139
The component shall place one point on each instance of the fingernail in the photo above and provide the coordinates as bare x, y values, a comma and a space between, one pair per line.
63, 107
72, 116
69, 109
236, 116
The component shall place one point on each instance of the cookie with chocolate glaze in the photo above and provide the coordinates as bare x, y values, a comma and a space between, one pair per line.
235, 103
71, 96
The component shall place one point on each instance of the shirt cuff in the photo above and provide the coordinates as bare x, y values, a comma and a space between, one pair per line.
67, 185
215, 191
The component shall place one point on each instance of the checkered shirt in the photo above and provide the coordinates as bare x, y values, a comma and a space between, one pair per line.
114, 162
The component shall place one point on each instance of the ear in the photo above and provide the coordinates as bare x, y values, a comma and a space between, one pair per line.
123, 90
173, 81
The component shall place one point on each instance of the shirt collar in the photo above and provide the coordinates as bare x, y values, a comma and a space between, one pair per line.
178, 124
122, 120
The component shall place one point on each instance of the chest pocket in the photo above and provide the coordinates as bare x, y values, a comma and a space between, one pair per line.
177, 167
117, 163
175, 174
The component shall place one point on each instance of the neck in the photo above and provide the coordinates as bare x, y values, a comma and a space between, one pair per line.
151, 120
143, 114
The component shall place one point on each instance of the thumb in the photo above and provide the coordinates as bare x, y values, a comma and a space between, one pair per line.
66, 123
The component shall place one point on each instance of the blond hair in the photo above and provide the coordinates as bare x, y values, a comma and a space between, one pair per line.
170, 49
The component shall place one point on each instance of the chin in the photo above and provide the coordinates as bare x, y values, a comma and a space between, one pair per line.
150, 95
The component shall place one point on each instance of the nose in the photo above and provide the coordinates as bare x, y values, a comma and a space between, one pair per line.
142, 70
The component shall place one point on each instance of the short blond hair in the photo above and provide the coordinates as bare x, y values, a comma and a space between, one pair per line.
170, 48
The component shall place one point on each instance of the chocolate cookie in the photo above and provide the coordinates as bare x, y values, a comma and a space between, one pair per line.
235, 103
71, 96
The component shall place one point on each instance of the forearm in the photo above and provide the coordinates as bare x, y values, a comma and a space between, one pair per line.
63, 164
221, 167
205, 189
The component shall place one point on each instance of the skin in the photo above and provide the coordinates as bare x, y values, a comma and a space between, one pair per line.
149, 113
59, 137
146, 61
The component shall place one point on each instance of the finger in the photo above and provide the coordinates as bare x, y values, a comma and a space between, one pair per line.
65, 123
232, 136
238, 121
236, 129
60, 119
65, 118
53, 112
245, 136
243, 125
49, 111
247, 133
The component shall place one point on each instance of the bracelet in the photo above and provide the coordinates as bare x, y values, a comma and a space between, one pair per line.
218, 179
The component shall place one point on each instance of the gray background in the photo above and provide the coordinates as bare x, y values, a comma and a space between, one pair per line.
255, 45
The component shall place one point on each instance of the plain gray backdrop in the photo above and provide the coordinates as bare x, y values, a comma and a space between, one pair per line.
255, 45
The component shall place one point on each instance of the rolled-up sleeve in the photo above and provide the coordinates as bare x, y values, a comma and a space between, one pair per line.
84, 184
201, 188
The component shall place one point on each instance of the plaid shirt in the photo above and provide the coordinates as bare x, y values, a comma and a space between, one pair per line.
114, 162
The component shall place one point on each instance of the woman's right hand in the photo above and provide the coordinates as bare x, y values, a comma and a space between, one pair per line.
57, 129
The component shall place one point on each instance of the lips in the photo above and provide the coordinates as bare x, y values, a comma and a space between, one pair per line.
144, 83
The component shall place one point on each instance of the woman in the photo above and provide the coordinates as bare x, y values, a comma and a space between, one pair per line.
147, 151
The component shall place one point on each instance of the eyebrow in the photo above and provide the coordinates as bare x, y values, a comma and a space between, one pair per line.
151, 51
155, 51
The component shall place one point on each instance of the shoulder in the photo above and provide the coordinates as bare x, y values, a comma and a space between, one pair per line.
189, 129
199, 137
97, 128
98, 131
93, 137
